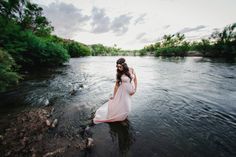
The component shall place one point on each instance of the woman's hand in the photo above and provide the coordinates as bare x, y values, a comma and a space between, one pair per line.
132, 93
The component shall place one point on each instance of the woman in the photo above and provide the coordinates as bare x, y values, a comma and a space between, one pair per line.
118, 106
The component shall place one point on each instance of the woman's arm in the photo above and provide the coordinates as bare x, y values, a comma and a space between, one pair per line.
135, 82
115, 88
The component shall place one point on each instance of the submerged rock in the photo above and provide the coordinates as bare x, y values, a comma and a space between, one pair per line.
46, 102
90, 142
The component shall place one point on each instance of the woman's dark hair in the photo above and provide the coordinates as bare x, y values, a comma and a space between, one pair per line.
124, 71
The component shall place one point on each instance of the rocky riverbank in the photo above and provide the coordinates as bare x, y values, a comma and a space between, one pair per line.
32, 134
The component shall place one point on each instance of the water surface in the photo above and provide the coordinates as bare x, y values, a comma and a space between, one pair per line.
183, 106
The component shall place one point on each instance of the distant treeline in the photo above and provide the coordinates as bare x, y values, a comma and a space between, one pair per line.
219, 44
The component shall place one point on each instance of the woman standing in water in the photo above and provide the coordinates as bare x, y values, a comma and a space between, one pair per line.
119, 105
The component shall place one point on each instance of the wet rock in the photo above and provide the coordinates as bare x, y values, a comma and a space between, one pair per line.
46, 102
1, 137
54, 123
90, 142
8, 153
52, 110
73, 92
48, 122
40, 137
50, 114
87, 132
56, 152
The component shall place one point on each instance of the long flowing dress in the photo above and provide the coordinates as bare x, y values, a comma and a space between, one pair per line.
118, 108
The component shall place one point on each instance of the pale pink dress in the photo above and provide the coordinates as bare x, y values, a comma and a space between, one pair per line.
117, 109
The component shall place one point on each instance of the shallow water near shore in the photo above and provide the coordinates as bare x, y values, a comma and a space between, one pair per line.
183, 106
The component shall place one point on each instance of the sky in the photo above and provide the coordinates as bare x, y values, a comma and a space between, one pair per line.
132, 24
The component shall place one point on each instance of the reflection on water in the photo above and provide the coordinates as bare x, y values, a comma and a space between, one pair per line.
183, 106
123, 133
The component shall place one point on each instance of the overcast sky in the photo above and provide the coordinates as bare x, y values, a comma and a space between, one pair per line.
132, 24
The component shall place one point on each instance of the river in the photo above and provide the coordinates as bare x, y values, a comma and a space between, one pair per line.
182, 107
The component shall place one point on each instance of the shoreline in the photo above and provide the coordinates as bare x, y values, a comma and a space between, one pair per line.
32, 133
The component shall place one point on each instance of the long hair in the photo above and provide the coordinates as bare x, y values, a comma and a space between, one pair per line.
124, 71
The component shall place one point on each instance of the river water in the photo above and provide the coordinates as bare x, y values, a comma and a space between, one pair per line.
182, 107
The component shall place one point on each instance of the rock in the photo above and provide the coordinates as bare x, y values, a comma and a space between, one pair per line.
8, 153
87, 132
90, 142
33, 155
24, 140
40, 137
52, 110
73, 92
81, 86
54, 153
46, 102
48, 122
87, 128
48, 115
54, 123
1, 137
43, 111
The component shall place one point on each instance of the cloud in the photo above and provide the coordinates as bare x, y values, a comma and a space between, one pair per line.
189, 29
140, 19
139, 36
120, 24
100, 21
166, 26
197, 37
143, 38
66, 18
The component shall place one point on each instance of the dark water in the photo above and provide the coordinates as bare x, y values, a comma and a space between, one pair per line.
183, 106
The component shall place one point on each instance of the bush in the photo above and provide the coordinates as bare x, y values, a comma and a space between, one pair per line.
76, 49
172, 51
8, 76
43, 52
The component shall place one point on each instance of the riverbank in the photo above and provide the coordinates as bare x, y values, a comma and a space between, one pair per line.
32, 133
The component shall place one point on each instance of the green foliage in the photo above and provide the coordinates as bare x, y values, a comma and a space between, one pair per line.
221, 44
142, 52
225, 42
172, 51
99, 49
77, 49
26, 14
171, 45
35, 21
42, 52
204, 46
8, 76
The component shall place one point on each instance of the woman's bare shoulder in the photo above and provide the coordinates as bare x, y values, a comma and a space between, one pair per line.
131, 69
